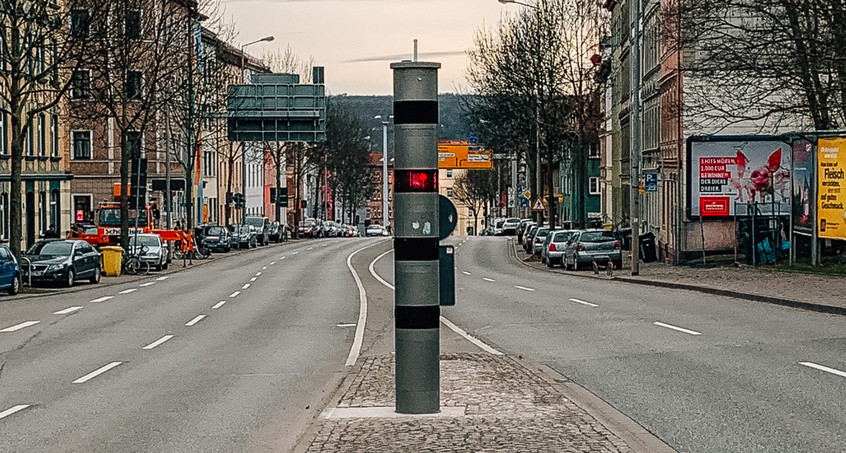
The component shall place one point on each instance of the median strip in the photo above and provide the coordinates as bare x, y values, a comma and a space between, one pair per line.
96, 372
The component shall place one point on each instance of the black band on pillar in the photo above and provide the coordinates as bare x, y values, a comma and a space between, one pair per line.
416, 249
418, 317
416, 112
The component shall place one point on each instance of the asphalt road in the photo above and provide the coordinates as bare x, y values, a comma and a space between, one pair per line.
704, 373
236, 354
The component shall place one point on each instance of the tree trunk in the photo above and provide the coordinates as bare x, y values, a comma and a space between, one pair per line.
15, 214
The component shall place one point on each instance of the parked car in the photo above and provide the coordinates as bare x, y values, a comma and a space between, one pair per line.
523, 228
243, 236
307, 228
376, 230
598, 245
261, 227
509, 226
554, 245
150, 248
537, 240
497, 226
62, 260
527, 244
10, 272
276, 232
217, 238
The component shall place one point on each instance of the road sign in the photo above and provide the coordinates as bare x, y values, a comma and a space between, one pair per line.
650, 182
538, 206
447, 217
527, 194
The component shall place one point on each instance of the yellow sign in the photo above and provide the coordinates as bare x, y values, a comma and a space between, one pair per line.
831, 188
561, 198
464, 155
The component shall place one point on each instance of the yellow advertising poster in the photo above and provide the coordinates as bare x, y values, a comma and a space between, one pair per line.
831, 185
463, 155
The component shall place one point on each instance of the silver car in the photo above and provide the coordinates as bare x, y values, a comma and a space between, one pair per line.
537, 240
151, 249
597, 245
554, 245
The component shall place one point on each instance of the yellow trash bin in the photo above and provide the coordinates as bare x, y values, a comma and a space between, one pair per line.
112, 258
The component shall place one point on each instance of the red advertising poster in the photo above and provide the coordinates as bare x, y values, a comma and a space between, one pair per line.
713, 206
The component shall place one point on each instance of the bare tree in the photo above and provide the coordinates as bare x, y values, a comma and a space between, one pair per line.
40, 46
473, 189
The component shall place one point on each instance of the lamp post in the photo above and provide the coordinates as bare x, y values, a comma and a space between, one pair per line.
243, 148
385, 123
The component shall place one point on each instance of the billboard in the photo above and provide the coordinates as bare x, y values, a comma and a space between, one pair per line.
803, 172
831, 177
728, 174
464, 155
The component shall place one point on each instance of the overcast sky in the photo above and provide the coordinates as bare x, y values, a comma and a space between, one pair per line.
356, 40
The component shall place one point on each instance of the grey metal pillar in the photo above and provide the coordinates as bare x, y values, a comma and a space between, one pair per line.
416, 235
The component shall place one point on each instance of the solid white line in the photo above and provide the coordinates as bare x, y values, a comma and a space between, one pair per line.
373, 271
488, 279
144, 285
102, 299
67, 310
195, 320
13, 409
355, 350
157, 342
127, 291
524, 288
163, 278
466, 273
691, 332
20, 326
469, 337
254, 279
246, 285
583, 302
824, 368
219, 304
235, 294
96, 372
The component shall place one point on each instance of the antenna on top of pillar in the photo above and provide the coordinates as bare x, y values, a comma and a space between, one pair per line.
415, 49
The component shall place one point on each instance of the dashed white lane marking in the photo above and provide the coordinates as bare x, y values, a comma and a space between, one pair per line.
13, 409
264, 268
583, 302
195, 320
235, 294
272, 263
469, 337
96, 372
310, 248
219, 304
254, 279
294, 253
144, 285
282, 257
824, 368
157, 342
524, 288
246, 285
160, 279
258, 274
67, 310
345, 324
466, 273
102, 299
680, 329
127, 291
20, 326
488, 279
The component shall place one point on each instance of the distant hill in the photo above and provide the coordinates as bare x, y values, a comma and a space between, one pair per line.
454, 125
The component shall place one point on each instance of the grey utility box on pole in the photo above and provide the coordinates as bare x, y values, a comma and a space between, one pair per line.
416, 236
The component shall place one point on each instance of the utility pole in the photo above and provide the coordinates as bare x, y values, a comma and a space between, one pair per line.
635, 129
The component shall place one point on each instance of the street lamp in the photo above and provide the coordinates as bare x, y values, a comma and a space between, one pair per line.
385, 123
243, 148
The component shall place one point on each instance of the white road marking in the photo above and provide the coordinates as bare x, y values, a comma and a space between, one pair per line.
488, 279
282, 257
680, 329
127, 291
272, 263
469, 337
235, 294
348, 324
195, 320
246, 285
258, 274
20, 326
264, 268
67, 310
524, 288
13, 409
219, 304
157, 342
310, 248
102, 299
163, 278
294, 253
355, 350
824, 368
466, 273
254, 279
373, 270
96, 372
144, 285
583, 303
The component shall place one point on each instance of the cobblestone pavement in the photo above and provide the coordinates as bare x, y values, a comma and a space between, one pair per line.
507, 408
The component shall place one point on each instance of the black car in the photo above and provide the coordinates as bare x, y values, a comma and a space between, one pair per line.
217, 238
277, 232
243, 236
62, 260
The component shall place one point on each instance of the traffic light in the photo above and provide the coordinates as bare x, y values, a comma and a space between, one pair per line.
239, 200
138, 182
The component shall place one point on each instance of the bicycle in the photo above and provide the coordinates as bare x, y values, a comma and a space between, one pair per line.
134, 265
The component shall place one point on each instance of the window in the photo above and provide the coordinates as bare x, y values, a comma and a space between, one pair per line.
449, 173
42, 211
80, 84
132, 23
593, 184
81, 144
55, 208
132, 88
54, 135
4, 216
30, 141
449, 192
80, 20
4, 145
593, 151
42, 135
